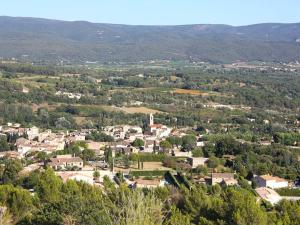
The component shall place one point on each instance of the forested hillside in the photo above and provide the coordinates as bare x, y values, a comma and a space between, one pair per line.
51, 40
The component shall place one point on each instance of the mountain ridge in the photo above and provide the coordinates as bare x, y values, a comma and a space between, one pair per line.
53, 40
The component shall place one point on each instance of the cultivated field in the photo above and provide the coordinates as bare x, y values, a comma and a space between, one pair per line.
45, 105
144, 110
129, 110
80, 119
190, 92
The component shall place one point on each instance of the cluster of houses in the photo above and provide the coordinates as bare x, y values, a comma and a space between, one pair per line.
36, 142
125, 135
127, 132
267, 186
33, 140
69, 95
29, 140
130, 133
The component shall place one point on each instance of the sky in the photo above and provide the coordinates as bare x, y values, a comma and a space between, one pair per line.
158, 12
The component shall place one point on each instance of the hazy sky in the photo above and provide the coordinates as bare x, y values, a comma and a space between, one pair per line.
158, 12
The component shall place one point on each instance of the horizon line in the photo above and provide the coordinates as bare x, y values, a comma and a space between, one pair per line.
124, 24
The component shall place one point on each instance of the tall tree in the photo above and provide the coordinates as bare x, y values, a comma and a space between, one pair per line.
11, 171
49, 186
4, 146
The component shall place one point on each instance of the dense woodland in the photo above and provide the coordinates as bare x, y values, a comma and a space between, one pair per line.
55, 202
81, 41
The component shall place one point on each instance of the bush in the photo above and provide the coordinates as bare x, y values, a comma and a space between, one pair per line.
197, 152
288, 192
149, 157
148, 173
99, 136
138, 143
213, 162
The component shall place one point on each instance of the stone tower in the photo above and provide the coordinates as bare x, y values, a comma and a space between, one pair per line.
151, 119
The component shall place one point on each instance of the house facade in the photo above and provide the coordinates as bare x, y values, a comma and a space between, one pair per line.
63, 162
140, 183
223, 178
197, 161
271, 182
32, 132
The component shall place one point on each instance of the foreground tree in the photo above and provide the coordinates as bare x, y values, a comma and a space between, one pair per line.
244, 209
136, 208
177, 218
11, 171
5, 217
49, 187
18, 203
288, 212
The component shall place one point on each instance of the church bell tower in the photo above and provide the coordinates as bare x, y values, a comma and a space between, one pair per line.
151, 119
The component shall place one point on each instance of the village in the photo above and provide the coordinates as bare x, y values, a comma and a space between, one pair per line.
149, 112
131, 157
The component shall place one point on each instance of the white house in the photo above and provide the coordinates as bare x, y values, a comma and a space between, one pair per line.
77, 176
223, 178
271, 182
24, 146
123, 131
140, 183
159, 130
65, 161
200, 144
197, 161
69, 95
43, 135
83, 178
181, 154
85, 175
32, 132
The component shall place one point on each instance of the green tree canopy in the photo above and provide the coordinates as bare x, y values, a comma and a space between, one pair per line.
138, 143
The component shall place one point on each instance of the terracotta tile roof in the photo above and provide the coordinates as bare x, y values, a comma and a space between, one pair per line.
65, 176
268, 194
156, 126
22, 141
222, 175
11, 154
59, 161
269, 177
